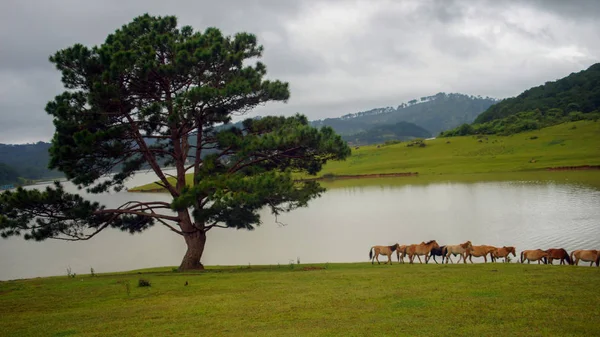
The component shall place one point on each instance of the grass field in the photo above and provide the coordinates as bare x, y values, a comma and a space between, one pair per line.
342, 299
569, 144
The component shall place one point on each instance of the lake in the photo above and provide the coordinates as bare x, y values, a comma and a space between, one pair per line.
526, 210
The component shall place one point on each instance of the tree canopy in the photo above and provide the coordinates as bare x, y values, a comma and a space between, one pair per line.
154, 93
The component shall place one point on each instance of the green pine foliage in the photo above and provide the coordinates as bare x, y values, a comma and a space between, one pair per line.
155, 94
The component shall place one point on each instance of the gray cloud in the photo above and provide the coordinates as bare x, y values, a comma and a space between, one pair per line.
339, 56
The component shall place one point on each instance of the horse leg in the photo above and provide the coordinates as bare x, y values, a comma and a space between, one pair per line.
390, 258
485, 258
419, 257
377, 258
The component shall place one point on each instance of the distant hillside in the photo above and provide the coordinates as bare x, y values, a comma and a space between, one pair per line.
29, 160
8, 175
383, 133
573, 98
576, 92
434, 113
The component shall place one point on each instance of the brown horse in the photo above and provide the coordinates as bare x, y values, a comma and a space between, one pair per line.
504, 252
460, 250
534, 255
586, 255
382, 250
559, 254
401, 253
421, 249
481, 251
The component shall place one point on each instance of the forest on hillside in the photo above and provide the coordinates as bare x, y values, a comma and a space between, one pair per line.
30, 161
577, 92
433, 113
384, 133
575, 97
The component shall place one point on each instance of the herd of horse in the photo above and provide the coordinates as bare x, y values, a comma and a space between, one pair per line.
467, 250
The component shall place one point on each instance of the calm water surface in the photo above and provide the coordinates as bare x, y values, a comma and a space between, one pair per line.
340, 227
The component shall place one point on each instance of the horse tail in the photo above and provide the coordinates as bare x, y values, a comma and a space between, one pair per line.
567, 258
521, 257
371, 253
572, 259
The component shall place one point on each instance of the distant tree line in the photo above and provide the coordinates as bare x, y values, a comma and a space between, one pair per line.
386, 133
435, 113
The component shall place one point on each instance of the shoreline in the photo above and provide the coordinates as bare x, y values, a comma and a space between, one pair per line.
333, 177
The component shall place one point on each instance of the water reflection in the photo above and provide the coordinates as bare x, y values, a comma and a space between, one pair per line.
340, 227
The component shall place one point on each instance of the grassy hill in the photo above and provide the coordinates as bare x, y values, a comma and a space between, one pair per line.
568, 144
310, 300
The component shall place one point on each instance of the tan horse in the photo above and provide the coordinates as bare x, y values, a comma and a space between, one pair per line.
382, 250
421, 249
401, 253
460, 250
481, 251
586, 255
504, 252
534, 255
558, 254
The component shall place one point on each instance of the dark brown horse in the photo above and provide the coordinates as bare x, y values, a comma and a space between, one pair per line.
382, 250
421, 249
558, 254
438, 252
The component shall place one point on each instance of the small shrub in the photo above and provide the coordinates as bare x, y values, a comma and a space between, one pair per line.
70, 273
329, 176
92, 272
298, 260
416, 142
533, 137
556, 142
143, 283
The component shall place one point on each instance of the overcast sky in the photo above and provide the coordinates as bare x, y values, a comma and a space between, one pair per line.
338, 56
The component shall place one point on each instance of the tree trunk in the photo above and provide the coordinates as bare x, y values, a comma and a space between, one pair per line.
195, 247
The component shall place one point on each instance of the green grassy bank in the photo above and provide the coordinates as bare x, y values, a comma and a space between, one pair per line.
340, 299
569, 144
